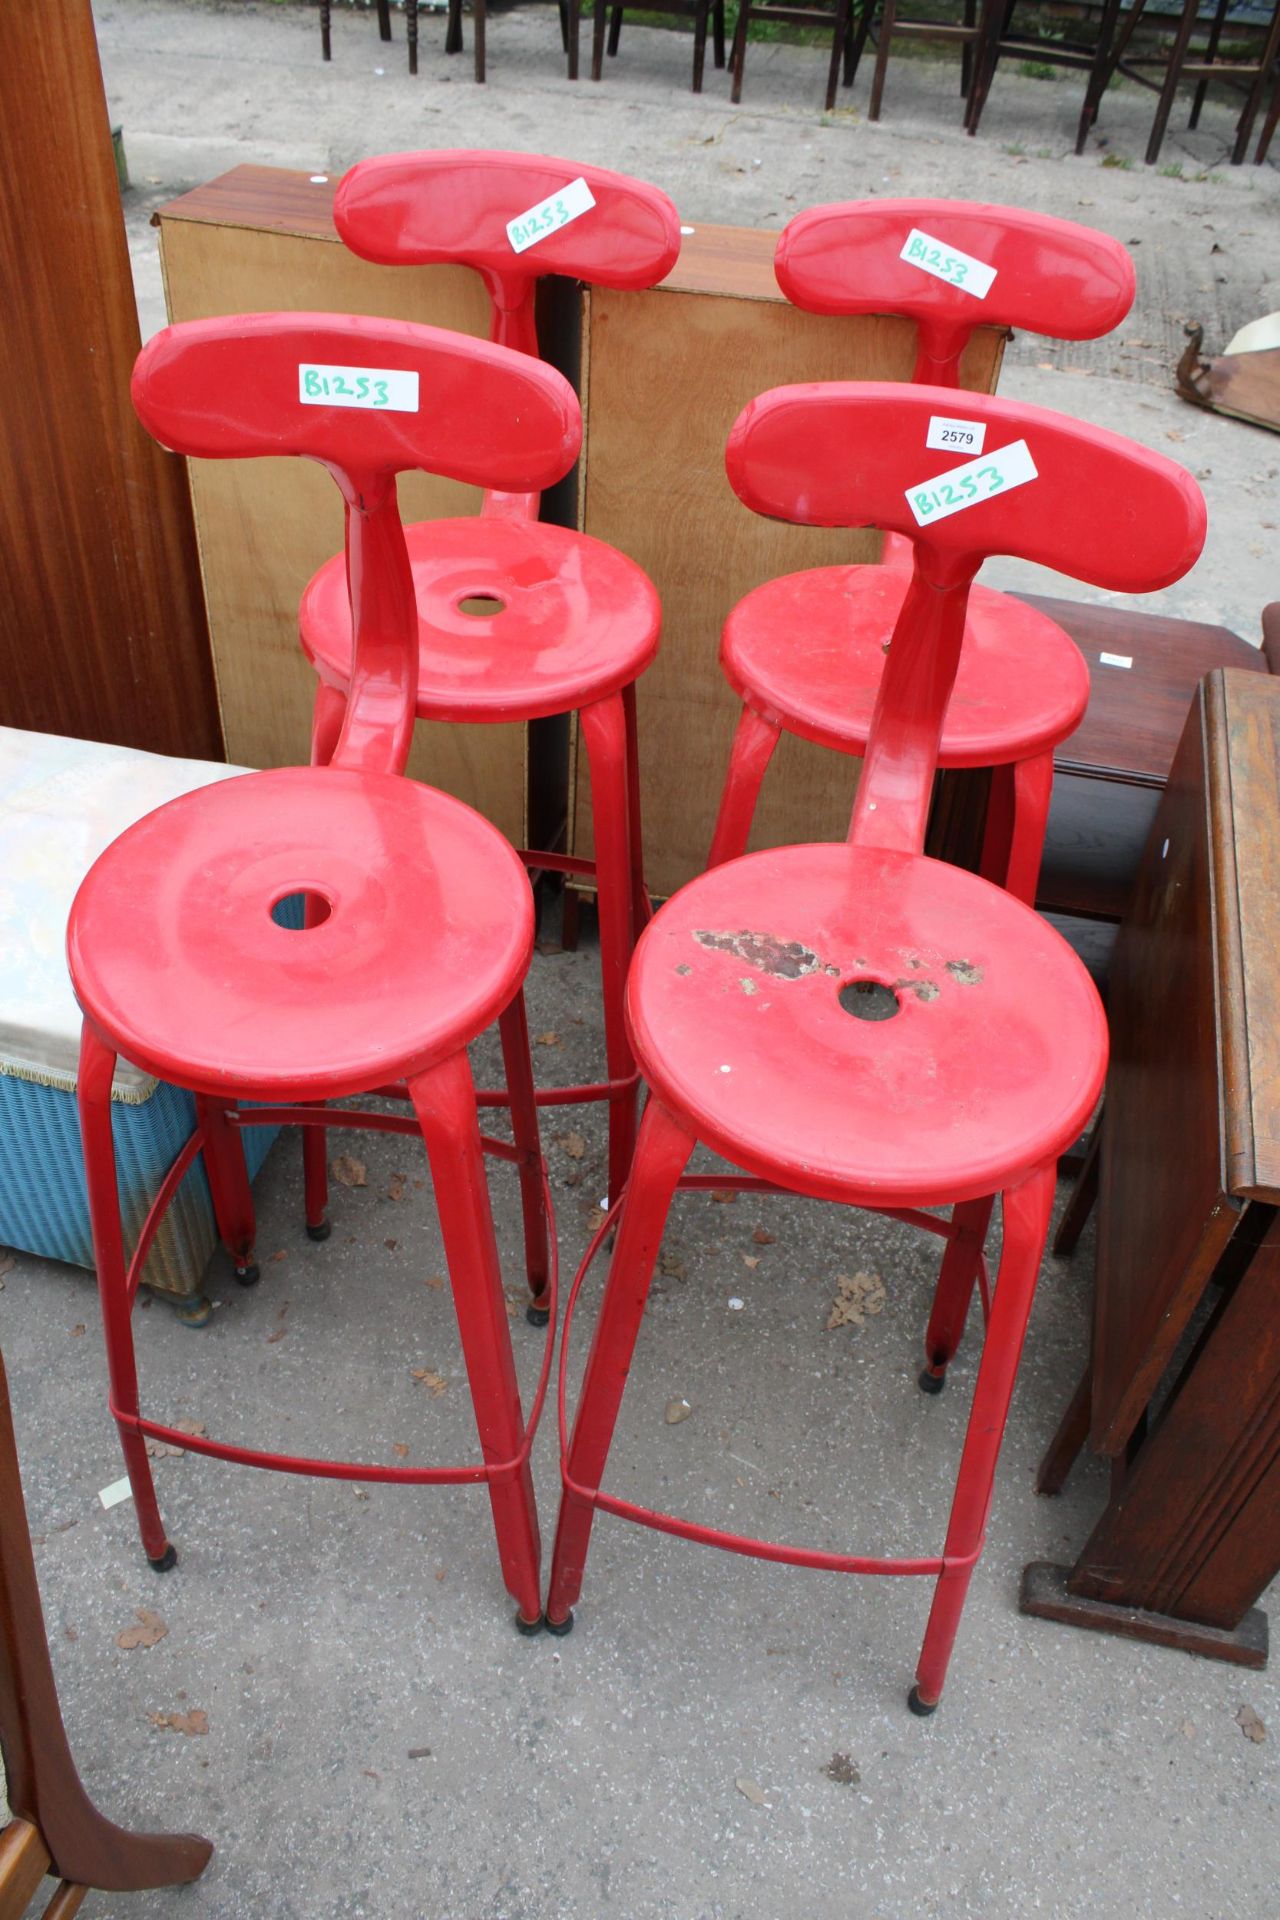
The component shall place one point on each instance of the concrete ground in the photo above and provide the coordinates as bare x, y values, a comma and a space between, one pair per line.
718, 1740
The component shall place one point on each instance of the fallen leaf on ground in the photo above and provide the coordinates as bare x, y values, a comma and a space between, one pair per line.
857, 1295
361, 1493
547, 1039
277, 1257
763, 1238
396, 1186
428, 1377
725, 1196
751, 1790
677, 1410
1251, 1726
671, 1265
399, 1449
195, 1722
348, 1171
281, 1330
435, 1281
841, 1769
574, 1145
751, 1260
149, 1630
419, 1753
163, 1450
391, 1245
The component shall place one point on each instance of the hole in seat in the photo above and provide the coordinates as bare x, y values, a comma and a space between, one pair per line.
301, 912
481, 606
869, 1000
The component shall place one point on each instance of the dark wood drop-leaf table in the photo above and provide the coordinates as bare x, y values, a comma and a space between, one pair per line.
1189, 1215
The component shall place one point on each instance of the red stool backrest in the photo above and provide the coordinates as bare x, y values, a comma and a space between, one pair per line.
953, 266
368, 399
1044, 488
474, 208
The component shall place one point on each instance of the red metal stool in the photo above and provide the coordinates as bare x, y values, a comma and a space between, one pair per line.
419, 915
914, 1036
573, 623
806, 652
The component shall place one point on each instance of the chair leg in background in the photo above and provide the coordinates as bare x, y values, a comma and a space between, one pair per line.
887, 17
739, 50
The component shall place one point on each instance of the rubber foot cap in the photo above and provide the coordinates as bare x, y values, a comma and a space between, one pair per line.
932, 1382
321, 1232
167, 1561
559, 1627
921, 1708
529, 1628
248, 1276
537, 1316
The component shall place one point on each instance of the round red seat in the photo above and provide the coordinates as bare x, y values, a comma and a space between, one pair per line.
176, 958
807, 651
575, 620
982, 1055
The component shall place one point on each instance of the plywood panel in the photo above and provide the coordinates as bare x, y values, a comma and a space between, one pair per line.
668, 372
102, 630
266, 525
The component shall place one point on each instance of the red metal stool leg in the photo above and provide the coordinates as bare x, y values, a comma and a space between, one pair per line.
604, 729
1032, 792
753, 746
514, 1029
662, 1152
445, 1102
229, 1185
641, 905
97, 1064
326, 723
327, 717
954, 1291
1026, 1211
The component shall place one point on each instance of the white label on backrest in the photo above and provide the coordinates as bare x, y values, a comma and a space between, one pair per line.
556, 211
948, 263
382, 388
965, 436
969, 485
